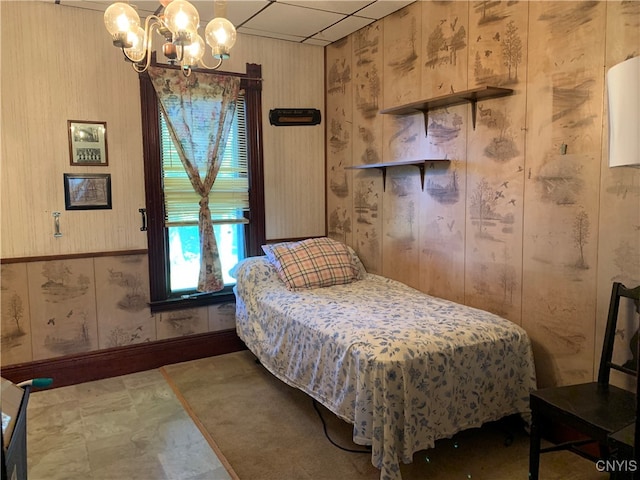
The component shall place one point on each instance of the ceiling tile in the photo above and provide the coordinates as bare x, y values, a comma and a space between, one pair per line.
238, 12
318, 21
316, 41
343, 28
292, 20
144, 7
345, 6
382, 8
279, 36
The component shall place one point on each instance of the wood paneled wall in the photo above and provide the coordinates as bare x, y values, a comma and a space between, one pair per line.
293, 156
59, 64
513, 223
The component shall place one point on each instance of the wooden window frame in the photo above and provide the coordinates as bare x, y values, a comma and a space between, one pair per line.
161, 298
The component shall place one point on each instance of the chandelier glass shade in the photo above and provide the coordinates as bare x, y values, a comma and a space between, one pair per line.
177, 22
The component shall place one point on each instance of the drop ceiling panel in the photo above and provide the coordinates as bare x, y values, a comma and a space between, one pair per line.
276, 35
316, 41
314, 22
238, 12
343, 28
144, 7
292, 20
382, 8
346, 7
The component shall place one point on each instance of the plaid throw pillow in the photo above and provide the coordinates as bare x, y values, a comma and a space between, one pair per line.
312, 263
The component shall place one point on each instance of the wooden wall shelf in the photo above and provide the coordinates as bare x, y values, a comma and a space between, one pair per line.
403, 163
467, 96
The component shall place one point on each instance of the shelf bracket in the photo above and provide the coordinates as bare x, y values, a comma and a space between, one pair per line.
384, 177
425, 112
421, 168
473, 103
421, 165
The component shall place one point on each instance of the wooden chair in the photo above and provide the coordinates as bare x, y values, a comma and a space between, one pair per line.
625, 443
626, 464
595, 410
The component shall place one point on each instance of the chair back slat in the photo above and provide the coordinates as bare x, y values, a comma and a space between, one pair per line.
623, 369
618, 291
607, 415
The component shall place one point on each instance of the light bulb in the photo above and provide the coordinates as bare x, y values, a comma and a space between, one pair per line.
119, 19
193, 53
221, 36
182, 19
138, 49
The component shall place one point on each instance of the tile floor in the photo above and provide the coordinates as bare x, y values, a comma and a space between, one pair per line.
134, 427
129, 427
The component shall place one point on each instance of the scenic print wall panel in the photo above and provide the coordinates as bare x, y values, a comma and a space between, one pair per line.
15, 329
178, 323
498, 43
525, 219
496, 170
339, 108
562, 183
444, 49
404, 138
402, 42
63, 307
222, 316
401, 225
122, 292
367, 143
367, 218
442, 205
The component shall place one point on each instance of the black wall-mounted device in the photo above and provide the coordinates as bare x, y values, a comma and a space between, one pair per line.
294, 116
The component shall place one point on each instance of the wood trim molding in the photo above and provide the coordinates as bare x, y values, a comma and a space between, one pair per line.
156, 240
69, 256
253, 96
112, 362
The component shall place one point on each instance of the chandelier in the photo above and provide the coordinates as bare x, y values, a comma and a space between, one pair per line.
176, 21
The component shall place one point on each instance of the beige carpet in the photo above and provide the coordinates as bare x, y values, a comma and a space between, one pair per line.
267, 430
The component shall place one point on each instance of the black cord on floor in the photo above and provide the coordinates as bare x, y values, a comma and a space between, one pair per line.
324, 426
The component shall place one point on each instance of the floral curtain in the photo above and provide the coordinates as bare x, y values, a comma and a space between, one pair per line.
201, 104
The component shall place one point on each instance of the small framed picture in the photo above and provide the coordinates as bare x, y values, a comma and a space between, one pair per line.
87, 191
88, 143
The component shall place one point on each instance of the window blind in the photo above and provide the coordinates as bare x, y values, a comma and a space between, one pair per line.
229, 197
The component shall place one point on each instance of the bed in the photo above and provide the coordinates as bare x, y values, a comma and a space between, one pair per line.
404, 368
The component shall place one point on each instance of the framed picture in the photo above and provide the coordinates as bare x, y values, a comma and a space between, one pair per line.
88, 143
87, 191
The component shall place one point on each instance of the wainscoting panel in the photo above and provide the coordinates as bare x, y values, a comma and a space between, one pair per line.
60, 307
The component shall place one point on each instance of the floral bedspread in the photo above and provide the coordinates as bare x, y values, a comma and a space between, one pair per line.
403, 367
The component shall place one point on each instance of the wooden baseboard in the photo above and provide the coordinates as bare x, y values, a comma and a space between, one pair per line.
112, 362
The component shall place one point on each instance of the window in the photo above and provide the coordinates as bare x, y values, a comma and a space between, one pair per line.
236, 203
229, 200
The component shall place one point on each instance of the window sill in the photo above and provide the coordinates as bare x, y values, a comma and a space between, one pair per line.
191, 301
